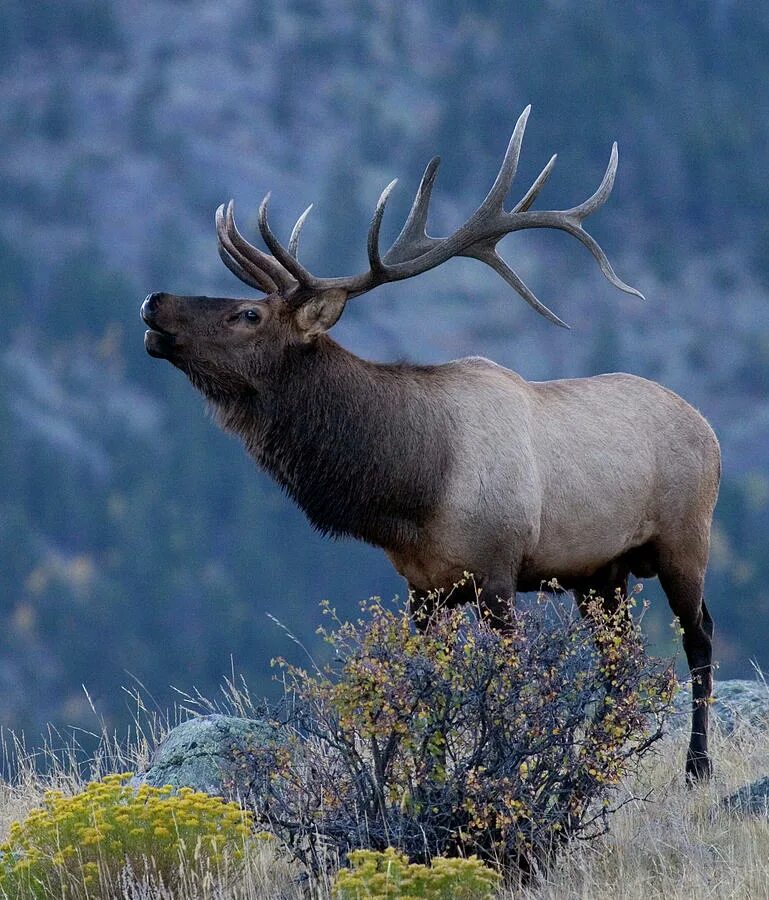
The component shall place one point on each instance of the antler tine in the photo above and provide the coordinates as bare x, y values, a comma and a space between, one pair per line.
372, 246
241, 273
289, 262
533, 192
577, 231
597, 200
570, 221
239, 264
413, 239
293, 241
278, 273
490, 256
496, 196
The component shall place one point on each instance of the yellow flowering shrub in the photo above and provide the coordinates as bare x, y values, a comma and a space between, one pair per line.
389, 875
74, 844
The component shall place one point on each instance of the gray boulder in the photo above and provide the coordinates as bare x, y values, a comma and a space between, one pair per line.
736, 700
740, 700
227, 756
751, 799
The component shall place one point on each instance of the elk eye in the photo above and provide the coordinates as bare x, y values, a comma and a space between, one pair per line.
251, 315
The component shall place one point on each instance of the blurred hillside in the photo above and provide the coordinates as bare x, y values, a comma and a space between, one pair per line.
137, 541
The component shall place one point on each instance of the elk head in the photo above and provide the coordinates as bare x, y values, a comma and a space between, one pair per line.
226, 343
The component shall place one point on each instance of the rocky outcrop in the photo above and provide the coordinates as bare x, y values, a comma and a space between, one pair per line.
227, 756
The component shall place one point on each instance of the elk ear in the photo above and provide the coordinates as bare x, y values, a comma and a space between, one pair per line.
321, 313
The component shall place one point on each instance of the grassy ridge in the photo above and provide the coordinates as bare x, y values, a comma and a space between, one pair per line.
674, 843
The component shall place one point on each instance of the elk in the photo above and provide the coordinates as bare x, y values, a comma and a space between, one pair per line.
465, 466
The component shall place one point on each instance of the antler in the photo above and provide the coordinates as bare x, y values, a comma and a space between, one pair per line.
414, 251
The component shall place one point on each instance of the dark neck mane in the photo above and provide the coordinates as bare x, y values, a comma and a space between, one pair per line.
359, 446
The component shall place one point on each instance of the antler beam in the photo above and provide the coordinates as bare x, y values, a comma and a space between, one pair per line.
415, 251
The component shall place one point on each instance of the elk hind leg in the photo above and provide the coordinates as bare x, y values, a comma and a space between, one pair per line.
423, 605
684, 589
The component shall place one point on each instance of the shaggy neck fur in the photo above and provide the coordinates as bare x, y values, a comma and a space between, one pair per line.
358, 445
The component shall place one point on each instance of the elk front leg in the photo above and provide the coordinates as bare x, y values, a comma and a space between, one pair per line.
496, 600
610, 584
422, 606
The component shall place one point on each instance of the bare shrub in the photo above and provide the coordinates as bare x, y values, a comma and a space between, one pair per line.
465, 740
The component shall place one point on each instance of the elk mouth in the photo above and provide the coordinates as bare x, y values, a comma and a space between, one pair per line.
158, 342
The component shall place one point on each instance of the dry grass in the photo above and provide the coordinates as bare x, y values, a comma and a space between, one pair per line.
263, 875
677, 843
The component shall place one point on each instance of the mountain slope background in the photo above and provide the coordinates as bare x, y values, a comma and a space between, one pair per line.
138, 544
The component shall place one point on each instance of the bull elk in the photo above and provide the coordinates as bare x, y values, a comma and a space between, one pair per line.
463, 466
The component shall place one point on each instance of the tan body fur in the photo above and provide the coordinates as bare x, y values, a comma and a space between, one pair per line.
560, 478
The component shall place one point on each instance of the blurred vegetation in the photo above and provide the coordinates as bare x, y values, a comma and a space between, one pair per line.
136, 541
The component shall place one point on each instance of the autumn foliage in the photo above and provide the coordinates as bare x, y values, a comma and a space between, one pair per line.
465, 739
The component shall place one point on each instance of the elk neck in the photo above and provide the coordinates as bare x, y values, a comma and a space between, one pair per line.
363, 448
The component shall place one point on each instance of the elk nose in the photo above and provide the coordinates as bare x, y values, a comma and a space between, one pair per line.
150, 305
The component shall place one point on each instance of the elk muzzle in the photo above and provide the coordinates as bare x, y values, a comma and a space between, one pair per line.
158, 341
